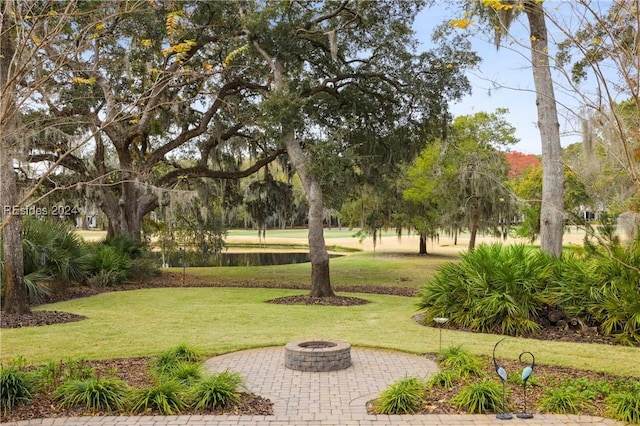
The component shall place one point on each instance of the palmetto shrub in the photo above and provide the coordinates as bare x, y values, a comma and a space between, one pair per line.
217, 390
66, 257
110, 266
402, 397
94, 394
119, 258
52, 254
601, 286
493, 288
16, 387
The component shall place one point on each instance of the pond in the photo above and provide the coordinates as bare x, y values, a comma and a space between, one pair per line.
258, 259
243, 259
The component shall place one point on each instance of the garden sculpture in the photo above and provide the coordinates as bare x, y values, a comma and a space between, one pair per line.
503, 376
526, 373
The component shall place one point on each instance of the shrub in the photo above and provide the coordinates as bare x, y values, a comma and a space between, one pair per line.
66, 258
462, 361
94, 394
110, 266
164, 397
564, 400
217, 390
443, 379
482, 397
403, 397
186, 373
602, 286
167, 361
624, 406
494, 288
16, 387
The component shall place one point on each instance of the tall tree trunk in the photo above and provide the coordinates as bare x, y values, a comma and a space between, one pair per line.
15, 299
475, 220
423, 243
552, 212
318, 254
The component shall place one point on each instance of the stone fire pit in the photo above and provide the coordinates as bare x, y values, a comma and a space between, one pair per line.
317, 355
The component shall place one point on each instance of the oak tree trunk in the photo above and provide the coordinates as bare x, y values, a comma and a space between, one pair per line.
552, 211
318, 254
15, 299
475, 220
423, 243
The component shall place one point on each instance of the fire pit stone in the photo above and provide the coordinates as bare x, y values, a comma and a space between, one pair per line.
317, 355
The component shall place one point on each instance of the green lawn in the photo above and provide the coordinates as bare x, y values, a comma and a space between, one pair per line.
219, 320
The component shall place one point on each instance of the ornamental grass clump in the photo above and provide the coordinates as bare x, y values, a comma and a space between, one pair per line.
458, 359
178, 356
480, 398
566, 399
443, 379
219, 390
625, 406
165, 397
16, 387
94, 394
403, 397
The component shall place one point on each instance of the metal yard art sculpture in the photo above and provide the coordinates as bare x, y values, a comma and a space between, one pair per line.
526, 373
502, 373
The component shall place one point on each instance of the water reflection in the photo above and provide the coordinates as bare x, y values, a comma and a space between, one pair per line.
239, 259
258, 259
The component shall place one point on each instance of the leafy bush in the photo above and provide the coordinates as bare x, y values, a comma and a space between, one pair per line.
16, 387
166, 397
217, 390
402, 397
110, 266
624, 406
494, 288
94, 394
564, 400
601, 285
119, 258
66, 257
482, 397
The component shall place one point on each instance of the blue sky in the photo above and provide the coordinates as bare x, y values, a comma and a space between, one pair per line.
502, 80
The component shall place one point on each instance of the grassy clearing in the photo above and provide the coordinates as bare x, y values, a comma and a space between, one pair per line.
220, 320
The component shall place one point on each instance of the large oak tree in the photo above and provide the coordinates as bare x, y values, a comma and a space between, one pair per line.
346, 75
